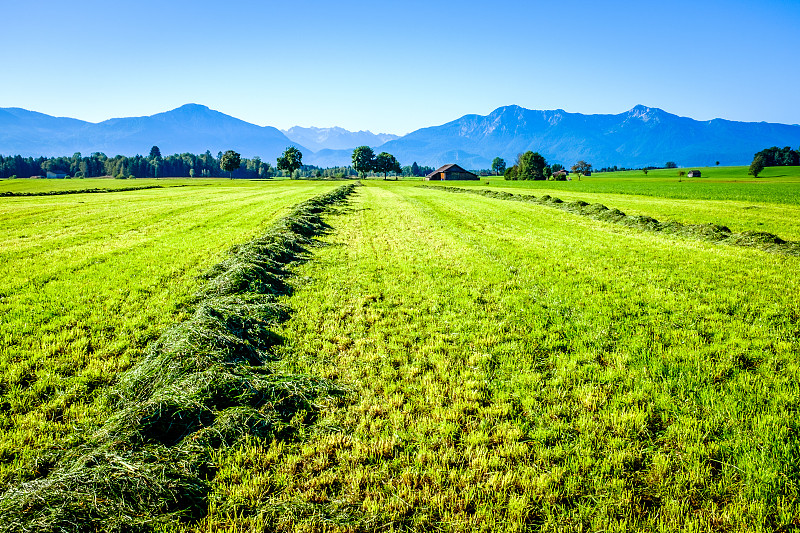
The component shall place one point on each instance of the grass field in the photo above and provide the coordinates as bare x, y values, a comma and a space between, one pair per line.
514, 367
508, 366
46, 185
727, 196
777, 185
87, 280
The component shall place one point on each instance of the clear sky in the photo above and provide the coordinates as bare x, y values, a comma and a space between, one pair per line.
397, 66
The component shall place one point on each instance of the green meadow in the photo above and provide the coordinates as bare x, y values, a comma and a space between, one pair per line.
726, 196
87, 280
499, 365
775, 185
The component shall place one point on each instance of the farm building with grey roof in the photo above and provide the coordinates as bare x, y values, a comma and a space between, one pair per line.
451, 172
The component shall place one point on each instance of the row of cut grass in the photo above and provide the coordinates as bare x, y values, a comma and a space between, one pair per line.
202, 386
86, 281
709, 232
777, 185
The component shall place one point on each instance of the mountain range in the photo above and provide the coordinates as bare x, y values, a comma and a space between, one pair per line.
317, 139
640, 137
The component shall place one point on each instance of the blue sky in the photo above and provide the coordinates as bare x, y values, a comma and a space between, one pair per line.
398, 66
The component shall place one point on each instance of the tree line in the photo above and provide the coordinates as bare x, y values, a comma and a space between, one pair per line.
229, 164
533, 166
154, 165
774, 157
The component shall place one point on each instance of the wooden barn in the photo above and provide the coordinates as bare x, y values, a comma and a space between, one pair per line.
694, 174
451, 172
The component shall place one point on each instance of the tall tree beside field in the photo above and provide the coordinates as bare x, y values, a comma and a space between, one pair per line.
230, 161
291, 160
531, 166
581, 168
363, 159
498, 165
155, 160
757, 166
385, 162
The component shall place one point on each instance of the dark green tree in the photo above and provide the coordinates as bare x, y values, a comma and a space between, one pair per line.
155, 160
498, 165
671, 164
363, 159
415, 169
557, 167
757, 166
291, 160
230, 161
385, 162
531, 166
581, 168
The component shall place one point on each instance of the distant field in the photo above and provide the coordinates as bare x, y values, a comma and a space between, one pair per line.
87, 280
778, 185
728, 197
45, 185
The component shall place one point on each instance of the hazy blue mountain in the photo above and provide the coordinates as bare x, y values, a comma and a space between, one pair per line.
335, 138
189, 128
640, 137
329, 158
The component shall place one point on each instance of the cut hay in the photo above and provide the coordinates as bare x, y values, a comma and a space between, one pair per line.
205, 384
707, 232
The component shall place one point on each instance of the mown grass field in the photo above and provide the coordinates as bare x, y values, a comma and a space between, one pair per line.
508, 366
87, 280
513, 367
775, 185
727, 196
47, 185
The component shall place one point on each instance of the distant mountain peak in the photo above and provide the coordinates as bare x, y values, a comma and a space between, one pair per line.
646, 114
335, 138
192, 106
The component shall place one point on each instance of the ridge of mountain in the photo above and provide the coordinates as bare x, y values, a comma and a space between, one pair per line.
335, 138
189, 128
641, 136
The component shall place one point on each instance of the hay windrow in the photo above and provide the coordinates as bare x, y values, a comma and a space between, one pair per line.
707, 232
10, 194
205, 384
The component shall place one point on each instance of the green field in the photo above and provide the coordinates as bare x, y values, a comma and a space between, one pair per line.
87, 280
726, 196
507, 366
775, 185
